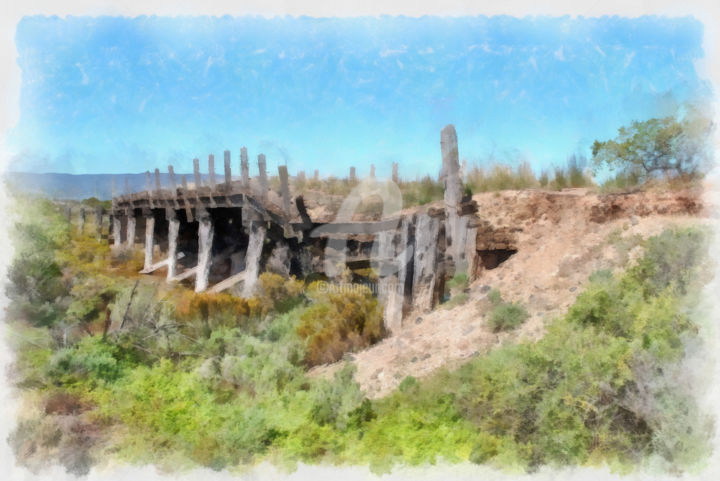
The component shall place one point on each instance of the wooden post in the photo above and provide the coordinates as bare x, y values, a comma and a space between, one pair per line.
453, 196
173, 230
211, 171
262, 177
130, 231
116, 231
173, 184
228, 172
244, 168
186, 200
352, 174
206, 232
428, 271
252, 257
196, 173
148, 182
149, 237
395, 177
284, 189
158, 186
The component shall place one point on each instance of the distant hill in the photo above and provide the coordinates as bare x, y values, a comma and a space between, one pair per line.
82, 186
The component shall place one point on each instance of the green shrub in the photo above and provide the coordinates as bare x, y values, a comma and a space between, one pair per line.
339, 402
505, 316
92, 359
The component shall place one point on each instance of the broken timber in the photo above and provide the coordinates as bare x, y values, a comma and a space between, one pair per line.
224, 235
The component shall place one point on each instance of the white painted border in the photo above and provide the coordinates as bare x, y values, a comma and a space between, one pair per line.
14, 10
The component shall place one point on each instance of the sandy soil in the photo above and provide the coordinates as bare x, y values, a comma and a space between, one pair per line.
561, 239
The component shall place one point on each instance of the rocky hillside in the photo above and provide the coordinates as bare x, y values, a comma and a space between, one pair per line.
549, 244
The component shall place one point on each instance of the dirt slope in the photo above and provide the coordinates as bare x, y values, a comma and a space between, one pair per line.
561, 238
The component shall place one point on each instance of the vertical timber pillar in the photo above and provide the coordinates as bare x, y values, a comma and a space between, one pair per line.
252, 257
395, 177
149, 237
284, 189
428, 263
158, 185
196, 173
173, 230
244, 168
206, 233
130, 231
211, 171
262, 177
453, 196
352, 174
228, 171
116, 231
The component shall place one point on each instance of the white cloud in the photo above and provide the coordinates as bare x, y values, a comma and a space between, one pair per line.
558, 54
426, 51
259, 51
483, 46
600, 51
533, 63
85, 80
281, 55
387, 52
628, 59
208, 64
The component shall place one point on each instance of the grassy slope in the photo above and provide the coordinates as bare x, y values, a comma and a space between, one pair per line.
223, 383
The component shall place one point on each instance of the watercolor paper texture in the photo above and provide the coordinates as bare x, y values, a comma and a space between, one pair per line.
301, 246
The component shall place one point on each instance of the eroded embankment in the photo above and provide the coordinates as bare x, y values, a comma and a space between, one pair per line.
537, 248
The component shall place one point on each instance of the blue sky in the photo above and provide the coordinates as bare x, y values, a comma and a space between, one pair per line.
116, 95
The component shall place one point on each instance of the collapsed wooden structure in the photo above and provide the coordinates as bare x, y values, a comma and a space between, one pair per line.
222, 233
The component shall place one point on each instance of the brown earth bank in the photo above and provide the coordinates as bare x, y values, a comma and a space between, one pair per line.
554, 241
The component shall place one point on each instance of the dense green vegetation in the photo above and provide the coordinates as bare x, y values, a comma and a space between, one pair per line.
219, 381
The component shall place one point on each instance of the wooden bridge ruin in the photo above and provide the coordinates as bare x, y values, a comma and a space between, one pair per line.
220, 234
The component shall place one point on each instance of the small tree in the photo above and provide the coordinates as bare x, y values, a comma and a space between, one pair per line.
657, 146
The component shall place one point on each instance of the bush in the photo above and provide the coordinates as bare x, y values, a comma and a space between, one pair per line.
278, 294
505, 316
225, 309
339, 322
340, 402
35, 273
92, 359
